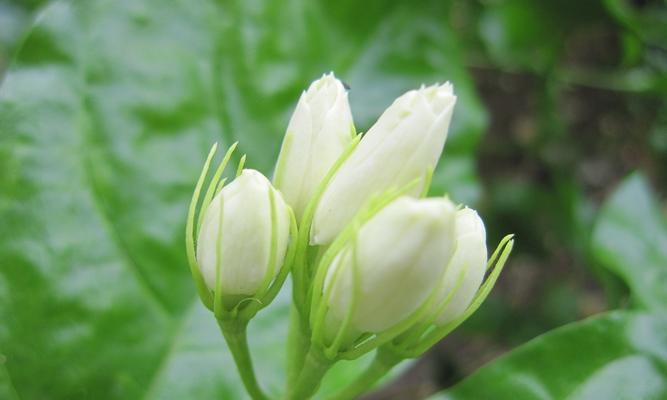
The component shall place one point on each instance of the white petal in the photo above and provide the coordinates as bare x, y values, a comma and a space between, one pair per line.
400, 255
469, 260
403, 145
319, 131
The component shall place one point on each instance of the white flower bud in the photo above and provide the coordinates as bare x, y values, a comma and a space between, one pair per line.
239, 241
402, 145
400, 257
320, 129
466, 270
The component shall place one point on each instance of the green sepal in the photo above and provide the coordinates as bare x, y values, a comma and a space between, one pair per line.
191, 233
213, 185
218, 298
428, 178
239, 169
282, 156
225, 307
203, 291
301, 272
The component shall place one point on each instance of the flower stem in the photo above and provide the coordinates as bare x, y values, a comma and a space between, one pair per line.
298, 343
235, 335
383, 362
314, 368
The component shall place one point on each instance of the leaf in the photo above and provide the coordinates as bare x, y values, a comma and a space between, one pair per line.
520, 34
648, 21
529, 35
7, 390
457, 178
106, 116
617, 355
630, 239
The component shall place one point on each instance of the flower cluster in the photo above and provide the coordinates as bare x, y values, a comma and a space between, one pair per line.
375, 264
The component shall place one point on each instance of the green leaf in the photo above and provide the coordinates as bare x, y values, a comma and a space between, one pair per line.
106, 116
618, 355
457, 178
630, 239
649, 21
14, 19
520, 34
532, 35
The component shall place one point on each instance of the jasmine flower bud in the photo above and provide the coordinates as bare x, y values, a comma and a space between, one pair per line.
403, 145
391, 266
465, 272
320, 129
244, 224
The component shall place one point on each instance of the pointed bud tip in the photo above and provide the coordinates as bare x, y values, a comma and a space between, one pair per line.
251, 178
327, 87
251, 173
440, 97
468, 222
435, 210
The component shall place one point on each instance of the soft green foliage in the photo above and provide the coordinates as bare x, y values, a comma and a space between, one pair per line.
630, 239
618, 355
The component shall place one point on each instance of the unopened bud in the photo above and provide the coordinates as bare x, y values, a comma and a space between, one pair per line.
242, 226
403, 145
320, 129
392, 266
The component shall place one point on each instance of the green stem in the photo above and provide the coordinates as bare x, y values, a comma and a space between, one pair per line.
298, 343
383, 362
235, 334
314, 368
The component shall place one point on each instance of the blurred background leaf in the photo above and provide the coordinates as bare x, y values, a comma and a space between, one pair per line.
630, 239
617, 355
